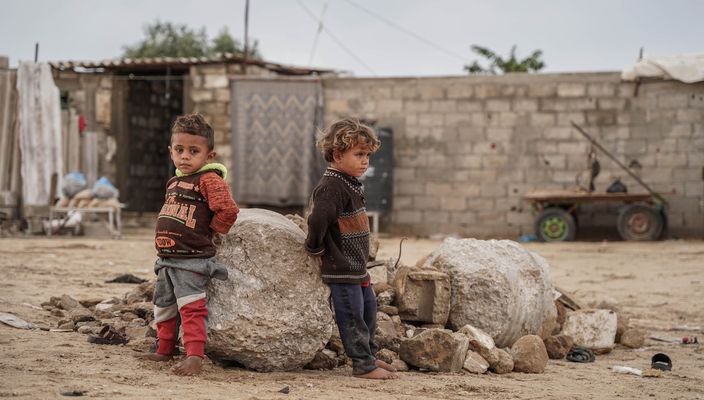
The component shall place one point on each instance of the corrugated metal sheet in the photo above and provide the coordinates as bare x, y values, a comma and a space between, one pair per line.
158, 62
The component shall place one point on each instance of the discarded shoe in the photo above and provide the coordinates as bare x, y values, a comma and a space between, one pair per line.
581, 355
662, 362
108, 335
126, 278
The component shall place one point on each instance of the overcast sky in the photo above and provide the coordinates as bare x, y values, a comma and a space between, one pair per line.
401, 38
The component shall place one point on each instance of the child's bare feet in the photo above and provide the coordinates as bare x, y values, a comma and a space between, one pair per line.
192, 365
157, 357
378, 373
385, 365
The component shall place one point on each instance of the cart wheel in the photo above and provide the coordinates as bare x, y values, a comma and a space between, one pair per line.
640, 222
555, 225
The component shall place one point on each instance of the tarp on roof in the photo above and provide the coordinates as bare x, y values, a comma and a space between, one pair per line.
688, 68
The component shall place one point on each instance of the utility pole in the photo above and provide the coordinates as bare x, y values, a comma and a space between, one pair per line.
246, 37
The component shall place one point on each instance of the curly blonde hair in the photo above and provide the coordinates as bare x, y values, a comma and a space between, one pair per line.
343, 135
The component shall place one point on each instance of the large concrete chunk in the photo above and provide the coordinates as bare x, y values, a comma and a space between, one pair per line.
422, 295
497, 286
272, 313
436, 349
594, 329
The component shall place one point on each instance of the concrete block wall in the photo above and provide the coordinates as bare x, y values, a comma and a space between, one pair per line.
466, 149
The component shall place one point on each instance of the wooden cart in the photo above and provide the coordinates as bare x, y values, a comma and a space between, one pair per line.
641, 217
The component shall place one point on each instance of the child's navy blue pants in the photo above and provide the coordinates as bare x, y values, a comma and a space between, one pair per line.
355, 312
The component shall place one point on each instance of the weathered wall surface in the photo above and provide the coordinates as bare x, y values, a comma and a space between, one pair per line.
467, 148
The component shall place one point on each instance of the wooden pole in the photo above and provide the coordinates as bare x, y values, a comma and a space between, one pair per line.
36, 51
246, 37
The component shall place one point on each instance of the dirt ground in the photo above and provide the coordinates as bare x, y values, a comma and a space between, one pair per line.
661, 285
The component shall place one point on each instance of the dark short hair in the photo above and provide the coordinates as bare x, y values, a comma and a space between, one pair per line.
194, 124
343, 135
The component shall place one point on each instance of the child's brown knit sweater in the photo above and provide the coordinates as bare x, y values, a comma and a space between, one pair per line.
338, 228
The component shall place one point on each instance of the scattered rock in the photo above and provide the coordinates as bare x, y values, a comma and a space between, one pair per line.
144, 292
68, 303
622, 321
436, 350
335, 342
497, 286
422, 295
558, 346
561, 315
68, 325
323, 360
529, 355
593, 329
373, 245
387, 356
385, 326
382, 287
385, 298
400, 365
85, 329
475, 363
128, 316
633, 338
88, 303
481, 343
378, 274
390, 310
57, 312
80, 314
504, 363
257, 318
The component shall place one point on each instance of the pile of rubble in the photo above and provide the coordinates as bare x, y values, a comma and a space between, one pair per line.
471, 305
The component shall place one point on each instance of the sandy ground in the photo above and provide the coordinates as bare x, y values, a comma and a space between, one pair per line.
661, 285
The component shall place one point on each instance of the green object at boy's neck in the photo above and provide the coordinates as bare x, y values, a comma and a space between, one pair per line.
217, 167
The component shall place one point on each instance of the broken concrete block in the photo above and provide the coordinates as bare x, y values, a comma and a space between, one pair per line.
258, 317
422, 295
558, 346
504, 363
480, 342
385, 298
378, 274
385, 326
529, 355
323, 360
594, 329
437, 350
497, 286
475, 363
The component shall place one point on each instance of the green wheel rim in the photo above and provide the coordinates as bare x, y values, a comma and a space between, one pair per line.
554, 228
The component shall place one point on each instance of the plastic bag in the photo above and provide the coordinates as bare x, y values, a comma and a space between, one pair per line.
73, 183
104, 189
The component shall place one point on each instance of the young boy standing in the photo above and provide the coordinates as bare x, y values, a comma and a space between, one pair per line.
338, 233
198, 204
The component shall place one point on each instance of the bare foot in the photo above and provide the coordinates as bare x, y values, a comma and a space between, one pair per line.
378, 373
156, 357
385, 365
192, 365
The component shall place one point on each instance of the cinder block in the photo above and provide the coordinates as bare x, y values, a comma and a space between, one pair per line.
201, 95
438, 217
690, 115
498, 105
427, 119
495, 161
486, 91
453, 203
571, 89
429, 92
558, 133
524, 105
408, 217
443, 106
579, 148
470, 106
601, 118
542, 90
601, 89
671, 160
410, 187
694, 189
695, 160
566, 118
454, 119
467, 188
438, 188
403, 203
492, 191
480, 119
499, 134
389, 106
459, 92
618, 104
215, 81
673, 100
423, 295
491, 217
480, 204
426, 202
467, 161
416, 105
680, 130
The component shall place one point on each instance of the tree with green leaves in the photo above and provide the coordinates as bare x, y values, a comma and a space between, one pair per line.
166, 39
532, 63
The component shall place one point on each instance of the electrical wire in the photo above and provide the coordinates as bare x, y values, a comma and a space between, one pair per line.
407, 31
335, 39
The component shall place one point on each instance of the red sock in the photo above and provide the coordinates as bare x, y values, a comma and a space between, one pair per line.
193, 324
167, 332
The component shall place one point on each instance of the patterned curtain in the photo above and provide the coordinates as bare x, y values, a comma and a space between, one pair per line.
274, 124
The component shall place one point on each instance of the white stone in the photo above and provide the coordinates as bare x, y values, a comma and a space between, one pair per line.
475, 363
595, 329
273, 312
497, 286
